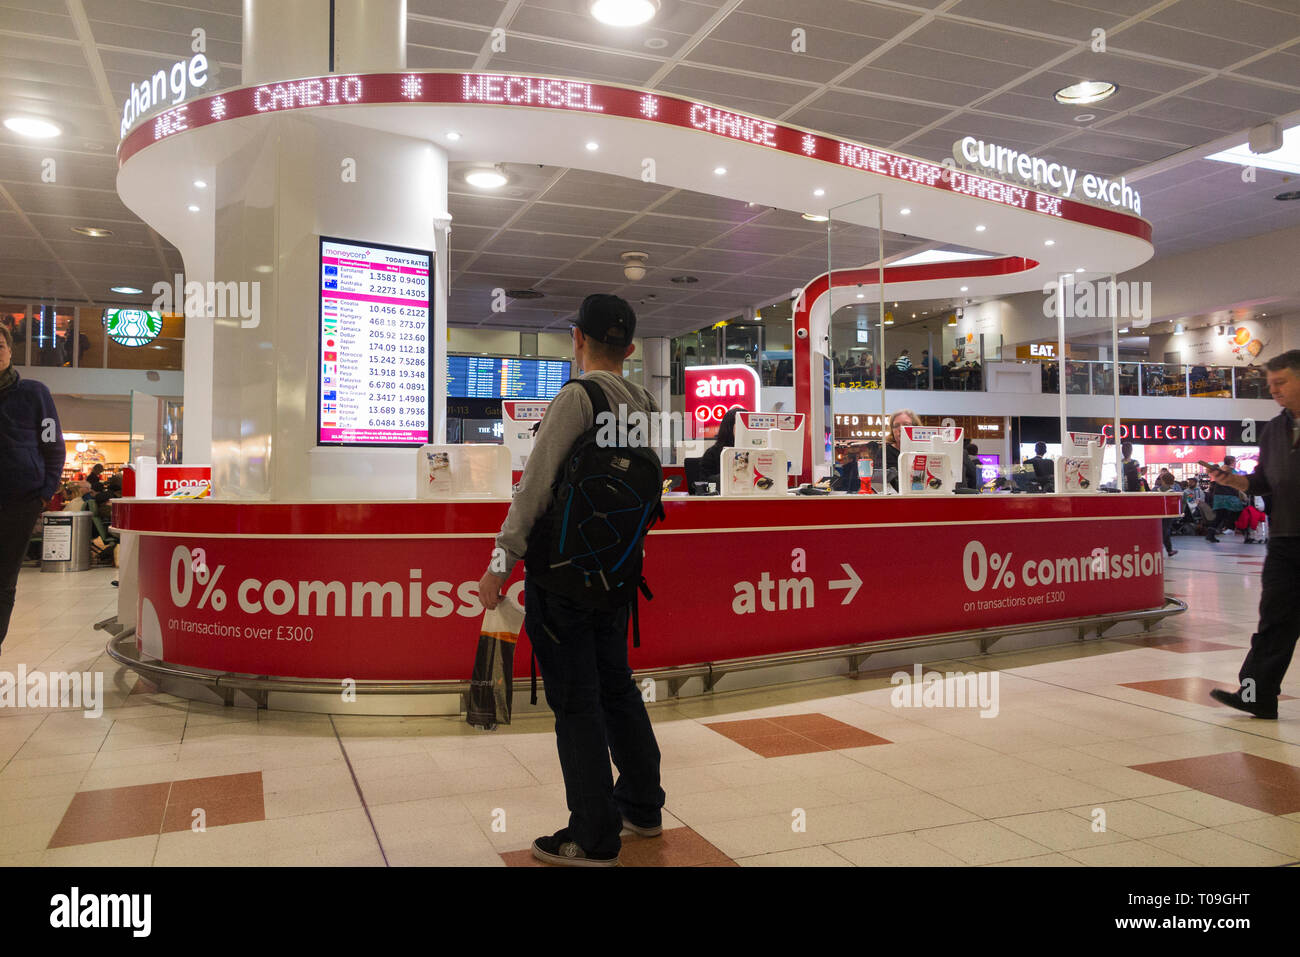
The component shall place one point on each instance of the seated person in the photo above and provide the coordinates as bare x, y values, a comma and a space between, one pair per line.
711, 460
893, 445
1044, 472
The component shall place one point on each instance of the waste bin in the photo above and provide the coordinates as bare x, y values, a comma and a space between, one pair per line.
65, 541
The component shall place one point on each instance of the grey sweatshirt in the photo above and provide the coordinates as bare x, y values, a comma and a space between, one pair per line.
566, 419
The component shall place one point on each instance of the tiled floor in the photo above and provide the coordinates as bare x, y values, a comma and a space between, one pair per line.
1103, 753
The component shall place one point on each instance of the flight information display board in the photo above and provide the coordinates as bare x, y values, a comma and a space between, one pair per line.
504, 377
375, 344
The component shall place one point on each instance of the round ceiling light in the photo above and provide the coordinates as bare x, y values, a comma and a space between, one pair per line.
95, 232
32, 127
656, 43
487, 177
1085, 91
814, 218
624, 13
127, 290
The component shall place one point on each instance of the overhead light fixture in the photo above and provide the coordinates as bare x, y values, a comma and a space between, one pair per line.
1085, 117
1178, 329
592, 146
1049, 242
935, 256
32, 127
200, 184
127, 290
624, 13
720, 171
862, 295
656, 43
1080, 269
889, 320
634, 265
965, 288
487, 177
980, 228
684, 280
192, 208
952, 319
905, 211
452, 136
95, 232
1285, 159
819, 192
1085, 91
1125, 329
814, 218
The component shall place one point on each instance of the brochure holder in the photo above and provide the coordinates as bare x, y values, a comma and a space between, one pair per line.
930, 462
519, 419
773, 430
753, 472
462, 471
1078, 468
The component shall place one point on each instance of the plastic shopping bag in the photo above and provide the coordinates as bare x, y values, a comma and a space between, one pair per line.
491, 686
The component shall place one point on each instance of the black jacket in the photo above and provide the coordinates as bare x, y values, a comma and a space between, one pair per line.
1278, 475
31, 442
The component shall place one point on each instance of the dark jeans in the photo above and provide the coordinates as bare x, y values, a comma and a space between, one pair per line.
1167, 530
17, 519
1273, 644
599, 714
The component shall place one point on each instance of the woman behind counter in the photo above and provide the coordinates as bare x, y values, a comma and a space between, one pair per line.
897, 422
711, 460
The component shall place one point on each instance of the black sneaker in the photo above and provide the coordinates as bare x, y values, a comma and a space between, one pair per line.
1212, 539
637, 829
1233, 699
558, 849
1173, 552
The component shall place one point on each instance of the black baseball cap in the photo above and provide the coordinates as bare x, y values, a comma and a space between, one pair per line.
608, 319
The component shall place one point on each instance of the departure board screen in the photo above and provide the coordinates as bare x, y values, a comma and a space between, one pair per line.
504, 377
375, 346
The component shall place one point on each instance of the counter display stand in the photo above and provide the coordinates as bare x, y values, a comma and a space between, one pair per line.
931, 460
1078, 469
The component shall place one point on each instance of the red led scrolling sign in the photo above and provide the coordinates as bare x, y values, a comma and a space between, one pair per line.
577, 96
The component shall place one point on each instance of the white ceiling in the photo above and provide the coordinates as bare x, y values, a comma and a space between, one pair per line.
910, 76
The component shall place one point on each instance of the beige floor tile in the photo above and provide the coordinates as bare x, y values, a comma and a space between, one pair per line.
133, 774
20, 768
1024, 797
1061, 830
18, 788
981, 842
1127, 854
453, 846
761, 834
816, 856
1046, 860
131, 852
1276, 833
1214, 848
895, 850
1065, 760
1204, 809
334, 774
1133, 819
352, 853
131, 757
315, 799
407, 820
1126, 782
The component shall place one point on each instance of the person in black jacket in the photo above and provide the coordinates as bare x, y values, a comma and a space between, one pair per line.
711, 460
970, 466
1132, 474
1044, 472
31, 466
1278, 475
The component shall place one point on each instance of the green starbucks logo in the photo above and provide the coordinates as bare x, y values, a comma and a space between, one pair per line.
132, 327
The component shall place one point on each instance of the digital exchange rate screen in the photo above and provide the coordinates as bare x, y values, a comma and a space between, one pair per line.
375, 344
504, 377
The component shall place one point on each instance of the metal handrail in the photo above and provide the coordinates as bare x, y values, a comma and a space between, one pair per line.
711, 672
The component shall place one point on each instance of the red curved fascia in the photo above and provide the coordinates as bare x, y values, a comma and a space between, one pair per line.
920, 272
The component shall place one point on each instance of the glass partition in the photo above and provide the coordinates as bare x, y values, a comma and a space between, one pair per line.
51, 328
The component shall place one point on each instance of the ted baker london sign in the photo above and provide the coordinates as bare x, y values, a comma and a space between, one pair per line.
573, 95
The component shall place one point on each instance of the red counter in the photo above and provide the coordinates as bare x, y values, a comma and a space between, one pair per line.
388, 590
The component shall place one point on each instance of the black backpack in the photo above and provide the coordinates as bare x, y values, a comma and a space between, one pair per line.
587, 546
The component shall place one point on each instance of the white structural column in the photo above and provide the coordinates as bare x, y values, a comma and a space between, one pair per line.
297, 178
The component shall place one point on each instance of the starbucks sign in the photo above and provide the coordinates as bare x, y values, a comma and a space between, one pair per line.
132, 327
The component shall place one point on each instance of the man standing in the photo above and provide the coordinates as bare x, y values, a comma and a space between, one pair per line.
1278, 474
31, 467
582, 651
1132, 475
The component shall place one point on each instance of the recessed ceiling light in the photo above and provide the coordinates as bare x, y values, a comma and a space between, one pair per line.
487, 177
200, 184
1085, 117
965, 288
127, 290
980, 228
95, 232
814, 218
592, 146
32, 127
819, 192
1080, 269
192, 208
452, 136
862, 295
1125, 329
656, 43
624, 13
684, 279
1085, 91
905, 212
720, 171
263, 269
1050, 242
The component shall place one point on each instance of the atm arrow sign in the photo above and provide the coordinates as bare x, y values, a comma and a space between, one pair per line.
852, 583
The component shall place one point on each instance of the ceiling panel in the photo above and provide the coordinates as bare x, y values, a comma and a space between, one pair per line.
1183, 46
871, 79
1230, 20
1060, 19
571, 220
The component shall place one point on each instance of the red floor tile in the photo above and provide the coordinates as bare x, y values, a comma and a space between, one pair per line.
1248, 779
112, 814
1183, 646
795, 734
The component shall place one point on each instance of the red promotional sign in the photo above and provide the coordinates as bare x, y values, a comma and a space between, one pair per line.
711, 391
838, 573
172, 478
